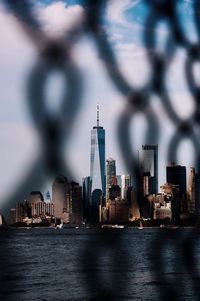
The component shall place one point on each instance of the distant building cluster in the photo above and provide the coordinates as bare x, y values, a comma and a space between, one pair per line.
106, 197
64, 207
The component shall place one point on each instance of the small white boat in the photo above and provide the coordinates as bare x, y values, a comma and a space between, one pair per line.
141, 226
113, 226
118, 226
59, 226
171, 227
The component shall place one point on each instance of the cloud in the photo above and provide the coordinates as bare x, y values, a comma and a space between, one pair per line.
58, 17
115, 37
116, 11
133, 63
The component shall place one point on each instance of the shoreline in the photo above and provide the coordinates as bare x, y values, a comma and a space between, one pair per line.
110, 227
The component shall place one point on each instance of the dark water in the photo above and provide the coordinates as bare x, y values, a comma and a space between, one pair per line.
97, 264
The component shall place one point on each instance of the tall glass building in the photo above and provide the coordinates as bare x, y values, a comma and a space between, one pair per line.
110, 174
148, 158
97, 157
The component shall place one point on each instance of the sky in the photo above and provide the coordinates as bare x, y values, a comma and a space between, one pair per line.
124, 24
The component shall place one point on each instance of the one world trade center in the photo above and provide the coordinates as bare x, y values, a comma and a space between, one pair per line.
97, 161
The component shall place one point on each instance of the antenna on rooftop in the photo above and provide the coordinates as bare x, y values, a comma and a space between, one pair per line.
97, 115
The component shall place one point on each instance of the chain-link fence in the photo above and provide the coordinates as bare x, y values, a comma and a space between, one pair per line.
55, 54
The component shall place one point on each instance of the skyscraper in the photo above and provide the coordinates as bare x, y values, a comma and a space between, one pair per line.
97, 170
74, 203
125, 183
67, 200
148, 158
197, 193
194, 191
110, 174
191, 190
176, 175
97, 157
86, 197
60, 190
35, 197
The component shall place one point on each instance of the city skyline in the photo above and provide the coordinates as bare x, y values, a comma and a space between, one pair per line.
107, 196
68, 204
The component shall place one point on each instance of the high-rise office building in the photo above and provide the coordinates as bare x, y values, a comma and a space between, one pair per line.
110, 174
35, 197
134, 212
171, 196
191, 190
12, 216
176, 175
114, 191
119, 180
148, 160
74, 207
48, 196
97, 157
22, 211
125, 183
147, 183
118, 211
86, 195
37, 206
59, 196
67, 200
197, 193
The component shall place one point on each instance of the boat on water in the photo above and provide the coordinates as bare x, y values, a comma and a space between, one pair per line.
113, 226
67, 226
118, 226
59, 226
141, 226
171, 227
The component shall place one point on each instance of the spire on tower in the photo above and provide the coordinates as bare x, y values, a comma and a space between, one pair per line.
97, 115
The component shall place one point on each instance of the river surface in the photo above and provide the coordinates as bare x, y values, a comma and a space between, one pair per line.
99, 264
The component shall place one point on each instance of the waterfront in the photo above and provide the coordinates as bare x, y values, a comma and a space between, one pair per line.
81, 264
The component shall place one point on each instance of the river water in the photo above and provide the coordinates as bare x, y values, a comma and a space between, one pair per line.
99, 264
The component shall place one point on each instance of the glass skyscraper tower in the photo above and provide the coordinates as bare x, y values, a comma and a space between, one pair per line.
97, 157
110, 174
148, 158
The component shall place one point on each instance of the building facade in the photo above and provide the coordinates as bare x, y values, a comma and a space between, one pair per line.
176, 175
118, 211
60, 189
86, 196
191, 190
67, 200
197, 193
110, 174
74, 208
125, 183
148, 161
